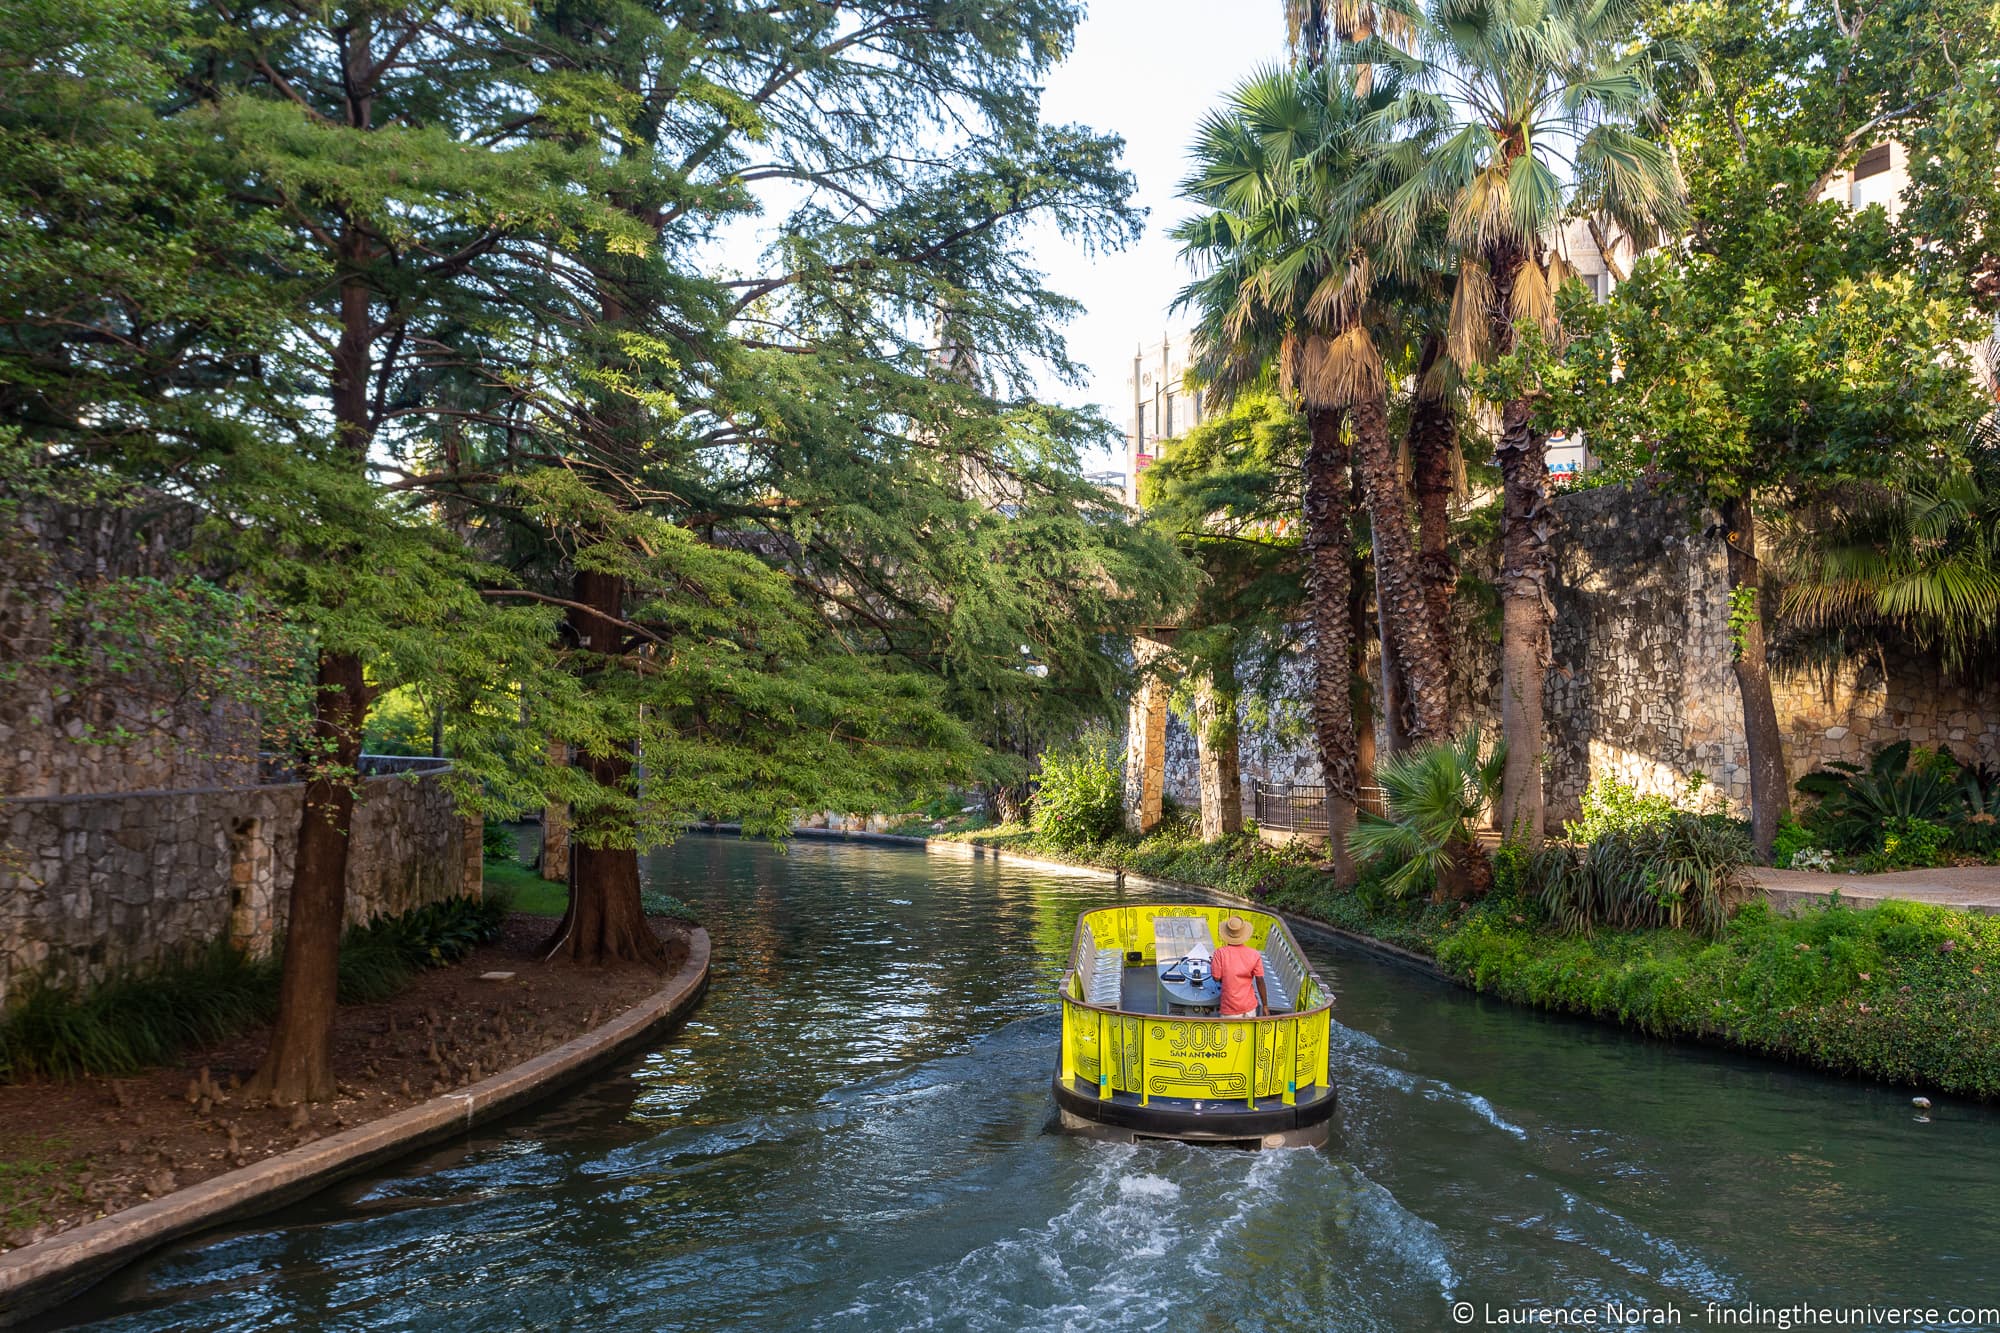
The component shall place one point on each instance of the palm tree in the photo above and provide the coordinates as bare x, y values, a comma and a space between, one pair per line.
1435, 793
1303, 270
1284, 170
1489, 106
1239, 181
1917, 562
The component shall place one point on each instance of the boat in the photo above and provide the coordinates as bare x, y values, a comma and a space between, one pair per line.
1145, 1054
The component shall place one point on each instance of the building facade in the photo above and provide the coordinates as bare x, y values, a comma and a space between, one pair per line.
1162, 406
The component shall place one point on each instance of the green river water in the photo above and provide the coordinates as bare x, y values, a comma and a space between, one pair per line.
852, 1133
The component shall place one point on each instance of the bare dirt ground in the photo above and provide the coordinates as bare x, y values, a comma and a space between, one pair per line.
72, 1151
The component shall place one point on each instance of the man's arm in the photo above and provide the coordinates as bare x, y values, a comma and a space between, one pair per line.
1263, 996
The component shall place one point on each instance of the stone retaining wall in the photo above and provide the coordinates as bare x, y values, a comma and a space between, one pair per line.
94, 885
46, 724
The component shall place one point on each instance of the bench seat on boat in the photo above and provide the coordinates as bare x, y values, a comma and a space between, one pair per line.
1103, 975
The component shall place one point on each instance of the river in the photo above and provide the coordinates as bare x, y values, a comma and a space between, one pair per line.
851, 1134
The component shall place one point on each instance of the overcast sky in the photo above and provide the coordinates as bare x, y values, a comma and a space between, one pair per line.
1145, 70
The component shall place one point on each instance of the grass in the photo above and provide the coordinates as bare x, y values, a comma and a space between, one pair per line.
30, 1172
528, 892
1902, 992
131, 1021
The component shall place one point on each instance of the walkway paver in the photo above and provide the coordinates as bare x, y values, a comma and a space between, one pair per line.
1967, 888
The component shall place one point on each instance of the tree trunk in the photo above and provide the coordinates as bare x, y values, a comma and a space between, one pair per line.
1216, 741
1761, 736
298, 1066
1399, 586
1525, 614
1432, 428
606, 922
1329, 543
1466, 873
1361, 631
553, 862
1526, 523
1393, 708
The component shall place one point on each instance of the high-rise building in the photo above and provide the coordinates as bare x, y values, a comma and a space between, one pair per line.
1162, 408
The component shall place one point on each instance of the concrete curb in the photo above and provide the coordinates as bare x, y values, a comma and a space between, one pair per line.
36, 1277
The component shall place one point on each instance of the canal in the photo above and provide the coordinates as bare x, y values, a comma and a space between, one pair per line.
851, 1134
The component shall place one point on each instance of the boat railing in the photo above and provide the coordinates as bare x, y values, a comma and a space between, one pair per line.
1278, 1056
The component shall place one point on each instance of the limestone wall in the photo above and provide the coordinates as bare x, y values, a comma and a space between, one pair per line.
1642, 685
91, 885
43, 722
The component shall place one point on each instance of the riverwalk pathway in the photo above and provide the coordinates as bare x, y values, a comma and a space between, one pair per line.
1967, 888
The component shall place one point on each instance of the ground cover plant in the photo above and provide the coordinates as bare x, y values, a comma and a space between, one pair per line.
132, 1021
1906, 808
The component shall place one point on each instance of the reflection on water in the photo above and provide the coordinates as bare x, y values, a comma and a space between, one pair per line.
851, 1134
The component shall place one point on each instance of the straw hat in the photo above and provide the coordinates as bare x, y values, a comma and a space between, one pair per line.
1235, 931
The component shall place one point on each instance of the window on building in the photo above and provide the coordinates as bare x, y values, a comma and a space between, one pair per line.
1873, 162
1170, 416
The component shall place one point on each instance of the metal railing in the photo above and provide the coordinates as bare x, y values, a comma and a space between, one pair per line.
279, 768
1300, 807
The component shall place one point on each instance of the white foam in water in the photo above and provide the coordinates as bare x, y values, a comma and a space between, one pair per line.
1148, 1187
1489, 1115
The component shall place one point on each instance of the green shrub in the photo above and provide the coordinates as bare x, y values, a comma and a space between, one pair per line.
1901, 992
1434, 794
1512, 864
654, 903
1856, 804
1080, 798
1683, 871
1977, 826
1910, 844
129, 1022
498, 843
1612, 806
1793, 838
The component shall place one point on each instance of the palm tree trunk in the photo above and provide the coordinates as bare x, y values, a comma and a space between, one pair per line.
1526, 522
1394, 712
1399, 587
1329, 543
1361, 629
1761, 735
1433, 424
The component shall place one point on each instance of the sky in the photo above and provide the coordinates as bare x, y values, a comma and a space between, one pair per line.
1146, 70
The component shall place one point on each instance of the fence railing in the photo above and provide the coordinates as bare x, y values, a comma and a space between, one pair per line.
280, 768
1300, 807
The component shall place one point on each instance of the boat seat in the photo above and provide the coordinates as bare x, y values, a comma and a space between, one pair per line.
1275, 986
1106, 981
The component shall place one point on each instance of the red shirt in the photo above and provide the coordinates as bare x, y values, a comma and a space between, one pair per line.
1234, 965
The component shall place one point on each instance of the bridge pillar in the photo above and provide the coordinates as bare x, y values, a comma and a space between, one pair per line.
1221, 774
1146, 740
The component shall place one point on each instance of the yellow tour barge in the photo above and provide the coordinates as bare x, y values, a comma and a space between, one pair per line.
1145, 1056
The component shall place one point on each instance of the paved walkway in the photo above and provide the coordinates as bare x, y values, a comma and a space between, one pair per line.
1969, 888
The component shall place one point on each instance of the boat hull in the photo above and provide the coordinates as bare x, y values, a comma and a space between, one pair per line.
1123, 1119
